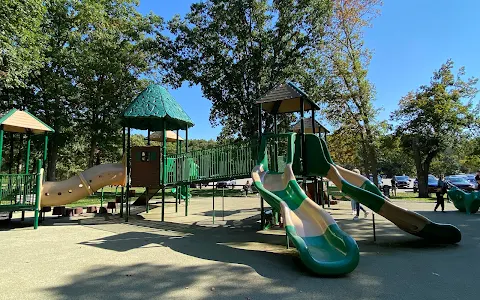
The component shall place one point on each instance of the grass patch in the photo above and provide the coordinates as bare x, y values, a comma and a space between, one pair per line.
408, 196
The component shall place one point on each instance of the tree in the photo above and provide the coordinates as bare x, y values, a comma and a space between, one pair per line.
238, 50
392, 159
21, 40
339, 79
434, 117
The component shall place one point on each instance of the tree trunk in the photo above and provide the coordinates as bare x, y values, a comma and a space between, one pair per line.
93, 147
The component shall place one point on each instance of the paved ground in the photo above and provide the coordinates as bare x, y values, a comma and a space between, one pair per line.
190, 258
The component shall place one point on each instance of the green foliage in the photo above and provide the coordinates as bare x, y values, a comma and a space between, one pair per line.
392, 159
238, 50
435, 116
96, 56
21, 40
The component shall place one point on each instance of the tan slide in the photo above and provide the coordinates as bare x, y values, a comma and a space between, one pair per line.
84, 184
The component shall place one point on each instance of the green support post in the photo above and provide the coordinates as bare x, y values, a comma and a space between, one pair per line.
127, 206
45, 149
164, 154
37, 194
27, 159
188, 175
122, 198
1, 147
177, 193
213, 203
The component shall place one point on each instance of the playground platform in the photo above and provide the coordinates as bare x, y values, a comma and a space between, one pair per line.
92, 257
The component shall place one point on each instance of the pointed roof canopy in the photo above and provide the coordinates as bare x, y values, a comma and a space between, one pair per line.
308, 126
23, 122
151, 107
158, 136
285, 98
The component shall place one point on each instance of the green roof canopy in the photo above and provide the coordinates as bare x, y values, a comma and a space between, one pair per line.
152, 106
285, 98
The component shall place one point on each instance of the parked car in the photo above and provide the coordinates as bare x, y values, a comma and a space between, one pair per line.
226, 183
471, 179
402, 181
461, 182
432, 184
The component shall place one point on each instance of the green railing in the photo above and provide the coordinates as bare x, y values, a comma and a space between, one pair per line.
222, 162
18, 189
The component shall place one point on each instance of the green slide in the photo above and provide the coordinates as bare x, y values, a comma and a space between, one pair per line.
465, 202
183, 192
362, 190
323, 247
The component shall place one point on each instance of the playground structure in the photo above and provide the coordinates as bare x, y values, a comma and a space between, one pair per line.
275, 161
463, 201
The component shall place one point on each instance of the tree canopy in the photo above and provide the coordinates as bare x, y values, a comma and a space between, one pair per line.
435, 116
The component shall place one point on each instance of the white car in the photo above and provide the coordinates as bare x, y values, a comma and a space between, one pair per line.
225, 184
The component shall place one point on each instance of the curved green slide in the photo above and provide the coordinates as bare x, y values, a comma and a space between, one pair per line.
183, 192
364, 191
323, 247
465, 202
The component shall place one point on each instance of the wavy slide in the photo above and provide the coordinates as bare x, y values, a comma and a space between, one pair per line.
362, 190
323, 247
56, 193
463, 201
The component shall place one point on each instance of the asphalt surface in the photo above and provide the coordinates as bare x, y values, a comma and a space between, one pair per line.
93, 257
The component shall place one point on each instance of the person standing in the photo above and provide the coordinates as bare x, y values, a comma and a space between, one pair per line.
394, 186
357, 205
441, 190
477, 179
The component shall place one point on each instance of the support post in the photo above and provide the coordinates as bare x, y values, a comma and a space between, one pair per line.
177, 192
45, 148
37, 194
101, 198
302, 135
213, 203
275, 146
148, 137
122, 196
187, 187
127, 204
1, 146
164, 153
262, 214
27, 159
322, 200
223, 204
10, 167
373, 223
315, 189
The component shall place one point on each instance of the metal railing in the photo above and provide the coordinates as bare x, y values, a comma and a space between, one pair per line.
221, 162
18, 189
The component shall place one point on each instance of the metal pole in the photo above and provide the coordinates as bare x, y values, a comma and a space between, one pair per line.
213, 203
188, 175
148, 137
262, 214
177, 192
127, 204
302, 135
101, 199
45, 149
1, 147
223, 204
322, 200
123, 190
27, 159
275, 147
10, 168
164, 153
374, 233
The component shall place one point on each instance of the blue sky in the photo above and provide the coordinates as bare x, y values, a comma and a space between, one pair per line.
409, 40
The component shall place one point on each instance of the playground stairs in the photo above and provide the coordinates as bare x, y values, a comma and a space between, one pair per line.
147, 195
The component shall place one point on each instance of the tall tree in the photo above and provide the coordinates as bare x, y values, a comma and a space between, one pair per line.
238, 50
339, 79
434, 117
21, 41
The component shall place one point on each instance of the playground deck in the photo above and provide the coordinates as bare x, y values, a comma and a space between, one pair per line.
188, 258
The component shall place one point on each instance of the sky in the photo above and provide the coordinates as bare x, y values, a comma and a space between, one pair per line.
409, 40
